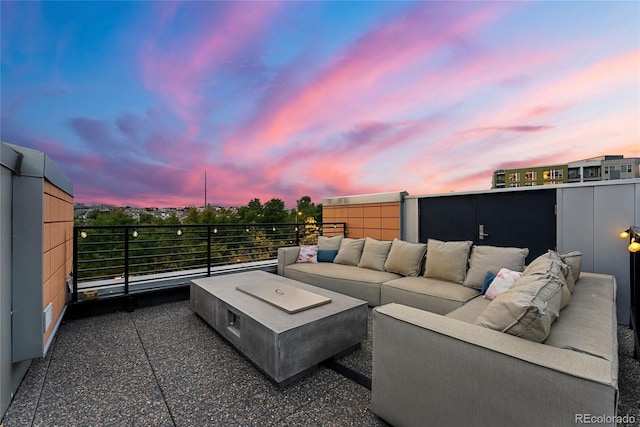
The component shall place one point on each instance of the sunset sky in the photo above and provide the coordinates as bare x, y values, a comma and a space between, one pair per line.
134, 101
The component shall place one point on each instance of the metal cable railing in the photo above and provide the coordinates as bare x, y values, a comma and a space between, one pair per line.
126, 254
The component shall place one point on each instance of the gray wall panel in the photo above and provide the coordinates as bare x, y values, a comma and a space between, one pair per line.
614, 209
5, 289
575, 223
27, 267
410, 220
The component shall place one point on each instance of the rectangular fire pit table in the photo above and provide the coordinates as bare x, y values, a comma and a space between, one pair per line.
285, 343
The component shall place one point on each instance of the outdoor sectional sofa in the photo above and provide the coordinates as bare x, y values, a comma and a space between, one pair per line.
542, 352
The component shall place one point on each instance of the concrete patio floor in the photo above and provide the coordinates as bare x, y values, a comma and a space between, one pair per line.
164, 366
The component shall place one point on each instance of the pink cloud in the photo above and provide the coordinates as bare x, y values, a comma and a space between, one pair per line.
181, 72
336, 96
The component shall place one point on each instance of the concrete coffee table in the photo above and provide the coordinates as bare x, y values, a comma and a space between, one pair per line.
284, 342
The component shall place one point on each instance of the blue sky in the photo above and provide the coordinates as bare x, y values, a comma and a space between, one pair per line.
136, 100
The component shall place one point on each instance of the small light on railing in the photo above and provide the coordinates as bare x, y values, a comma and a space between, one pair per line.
135, 233
179, 232
274, 229
247, 230
296, 229
83, 234
215, 230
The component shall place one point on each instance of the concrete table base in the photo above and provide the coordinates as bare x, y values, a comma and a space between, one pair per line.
284, 346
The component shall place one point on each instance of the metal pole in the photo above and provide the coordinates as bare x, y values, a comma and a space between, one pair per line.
208, 251
74, 294
126, 260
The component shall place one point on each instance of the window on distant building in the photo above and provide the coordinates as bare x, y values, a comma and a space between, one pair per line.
626, 169
514, 177
530, 175
552, 174
591, 172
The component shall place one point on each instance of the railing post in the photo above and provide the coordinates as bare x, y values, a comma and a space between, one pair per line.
126, 260
297, 235
208, 250
74, 293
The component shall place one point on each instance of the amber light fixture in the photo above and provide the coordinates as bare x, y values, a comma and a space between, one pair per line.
634, 234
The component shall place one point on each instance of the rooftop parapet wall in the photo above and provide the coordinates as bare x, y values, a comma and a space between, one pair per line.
371, 215
36, 223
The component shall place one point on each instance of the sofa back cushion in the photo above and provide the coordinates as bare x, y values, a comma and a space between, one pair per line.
405, 258
374, 254
350, 251
485, 259
447, 260
329, 243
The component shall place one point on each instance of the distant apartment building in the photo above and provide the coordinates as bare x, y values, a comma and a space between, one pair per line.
595, 169
530, 176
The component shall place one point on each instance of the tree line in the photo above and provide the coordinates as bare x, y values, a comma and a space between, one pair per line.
272, 211
101, 254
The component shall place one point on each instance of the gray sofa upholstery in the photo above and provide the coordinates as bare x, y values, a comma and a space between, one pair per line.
430, 369
361, 283
433, 366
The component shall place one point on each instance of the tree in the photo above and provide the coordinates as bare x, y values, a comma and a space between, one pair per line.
208, 216
273, 211
252, 212
192, 216
306, 209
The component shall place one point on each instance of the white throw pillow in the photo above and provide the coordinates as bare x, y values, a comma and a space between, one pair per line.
502, 283
308, 253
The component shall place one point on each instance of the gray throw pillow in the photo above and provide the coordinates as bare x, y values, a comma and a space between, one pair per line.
374, 254
485, 259
447, 260
405, 258
329, 243
528, 309
350, 251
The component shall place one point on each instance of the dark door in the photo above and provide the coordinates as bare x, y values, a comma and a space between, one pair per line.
524, 219
447, 218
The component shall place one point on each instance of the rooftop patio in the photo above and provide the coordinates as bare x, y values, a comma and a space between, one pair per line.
164, 366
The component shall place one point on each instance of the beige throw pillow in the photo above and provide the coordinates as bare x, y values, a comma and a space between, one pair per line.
350, 251
527, 310
574, 260
550, 263
485, 259
329, 243
447, 260
374, 254
405, 258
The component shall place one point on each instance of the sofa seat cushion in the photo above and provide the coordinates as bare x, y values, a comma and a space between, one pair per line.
361, 283
470, 311
434, 295
589, 323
